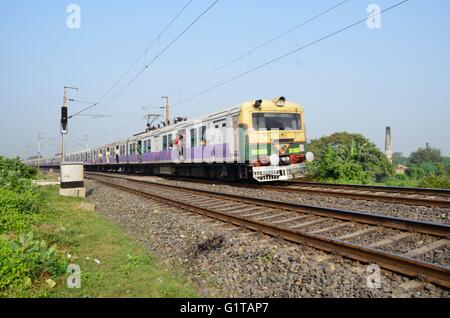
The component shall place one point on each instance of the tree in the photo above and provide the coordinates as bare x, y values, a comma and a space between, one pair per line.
426, 155
399, 159
346, 157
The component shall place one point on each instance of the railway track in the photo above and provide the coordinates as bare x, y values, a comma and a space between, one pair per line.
412, 248
436, 198
399, 195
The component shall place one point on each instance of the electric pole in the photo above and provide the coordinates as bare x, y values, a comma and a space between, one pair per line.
64, 119
167, 109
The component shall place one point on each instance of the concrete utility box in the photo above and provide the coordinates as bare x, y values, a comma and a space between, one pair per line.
72, 180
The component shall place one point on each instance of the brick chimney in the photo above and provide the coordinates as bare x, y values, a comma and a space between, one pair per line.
388, 146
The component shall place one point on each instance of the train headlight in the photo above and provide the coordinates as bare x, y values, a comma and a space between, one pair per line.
275, 160
302, 148
310, 157
285, 160
281, 101
258, 103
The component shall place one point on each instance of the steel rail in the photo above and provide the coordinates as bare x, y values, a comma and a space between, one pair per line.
435, 229
432, 273
372, 193
321, 190
361, 187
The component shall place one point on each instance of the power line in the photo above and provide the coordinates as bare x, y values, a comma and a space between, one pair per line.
155, 40
83, 110
159, 55
120, 129
281, 56
257, 48
234, 60
79, 101
287, 54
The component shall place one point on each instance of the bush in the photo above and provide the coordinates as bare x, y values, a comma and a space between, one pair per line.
14, 175
426, 155
29, 202
436, 182
24, 260
348, 158
18, 209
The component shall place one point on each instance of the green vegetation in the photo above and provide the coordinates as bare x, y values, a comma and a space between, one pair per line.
426, 155
23, 259
426, 169
41, 233
348, 158
352, 158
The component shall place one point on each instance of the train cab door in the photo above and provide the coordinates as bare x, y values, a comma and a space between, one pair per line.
219, 140
182, 145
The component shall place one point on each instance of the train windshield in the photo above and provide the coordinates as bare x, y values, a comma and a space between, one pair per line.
276, 121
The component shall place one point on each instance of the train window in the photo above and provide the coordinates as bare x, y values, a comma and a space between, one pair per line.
147, 148
224, 125
202, 135
194, 142
164, 143
276, 121
170, 141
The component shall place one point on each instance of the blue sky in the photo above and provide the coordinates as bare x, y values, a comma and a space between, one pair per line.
361, 80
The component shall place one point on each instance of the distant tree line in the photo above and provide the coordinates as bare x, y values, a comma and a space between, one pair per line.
352, 158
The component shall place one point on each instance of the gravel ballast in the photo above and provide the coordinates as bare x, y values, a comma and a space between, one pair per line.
418, 213
226, 261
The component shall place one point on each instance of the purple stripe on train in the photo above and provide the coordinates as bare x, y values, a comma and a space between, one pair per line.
208, 152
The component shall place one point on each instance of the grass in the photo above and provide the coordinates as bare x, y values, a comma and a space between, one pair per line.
43, 175
125, 269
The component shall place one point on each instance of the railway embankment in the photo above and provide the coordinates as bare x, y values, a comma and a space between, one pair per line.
52, 246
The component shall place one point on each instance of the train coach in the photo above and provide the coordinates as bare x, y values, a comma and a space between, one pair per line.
263, 140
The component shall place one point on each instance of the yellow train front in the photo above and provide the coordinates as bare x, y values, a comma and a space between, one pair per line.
273, 139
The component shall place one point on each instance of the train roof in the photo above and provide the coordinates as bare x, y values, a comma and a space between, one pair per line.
214, 116
267, 104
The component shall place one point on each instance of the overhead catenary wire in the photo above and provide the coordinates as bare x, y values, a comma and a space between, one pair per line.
121, 128
257, 48
231, 79
282, 56
83, 110
155, 40
140, 56
158, 55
